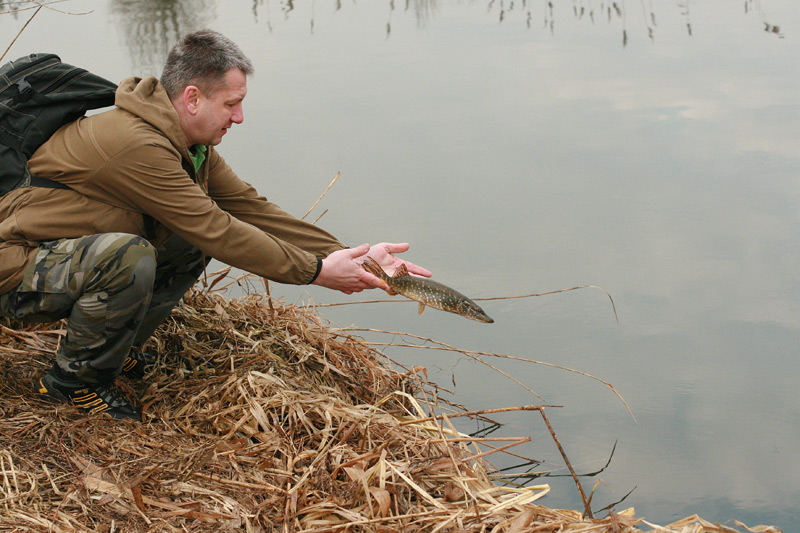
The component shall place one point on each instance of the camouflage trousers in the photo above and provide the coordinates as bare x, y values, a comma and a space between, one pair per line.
114, 289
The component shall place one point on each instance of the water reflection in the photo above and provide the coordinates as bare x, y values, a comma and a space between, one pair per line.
755, 5
11, 8
614, 13
151, 27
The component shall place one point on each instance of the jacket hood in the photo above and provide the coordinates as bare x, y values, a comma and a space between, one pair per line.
147, 99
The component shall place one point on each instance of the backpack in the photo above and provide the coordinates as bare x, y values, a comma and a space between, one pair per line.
38, 95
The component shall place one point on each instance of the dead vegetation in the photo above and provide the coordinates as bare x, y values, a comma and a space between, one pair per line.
259, 417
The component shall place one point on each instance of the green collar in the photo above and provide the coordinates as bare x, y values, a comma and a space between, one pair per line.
198, 155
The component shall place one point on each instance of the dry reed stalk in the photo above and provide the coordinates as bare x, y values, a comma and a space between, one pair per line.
338, 174
438, 345
257, 419
38, 6
20, 33
546, 293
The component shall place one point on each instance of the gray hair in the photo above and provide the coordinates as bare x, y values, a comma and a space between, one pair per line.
202, 58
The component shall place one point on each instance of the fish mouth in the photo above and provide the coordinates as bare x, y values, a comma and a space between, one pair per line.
482, 318
480, 315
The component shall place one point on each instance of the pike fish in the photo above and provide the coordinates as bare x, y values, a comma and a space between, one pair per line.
427, 292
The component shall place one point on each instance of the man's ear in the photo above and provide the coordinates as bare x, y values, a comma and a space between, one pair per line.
191, 99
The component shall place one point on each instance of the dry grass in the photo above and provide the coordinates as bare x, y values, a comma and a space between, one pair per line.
258, 417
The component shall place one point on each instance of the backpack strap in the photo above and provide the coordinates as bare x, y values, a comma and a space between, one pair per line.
47, 183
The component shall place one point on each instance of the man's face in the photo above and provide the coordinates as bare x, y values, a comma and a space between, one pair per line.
214, 114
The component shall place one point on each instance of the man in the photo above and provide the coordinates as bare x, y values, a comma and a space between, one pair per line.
149, 200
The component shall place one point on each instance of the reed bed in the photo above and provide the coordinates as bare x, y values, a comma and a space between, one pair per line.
260, 417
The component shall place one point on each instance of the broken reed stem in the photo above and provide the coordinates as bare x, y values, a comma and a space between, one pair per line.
219, 275
517, 442
539, 408
474, 355
493, 449
471, 355
477, 413
272, 312
20, 32
482, 440
569, 465
322, 196
39, 7
613, 306
319, 217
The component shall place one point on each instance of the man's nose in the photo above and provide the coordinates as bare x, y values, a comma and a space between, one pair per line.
238, 114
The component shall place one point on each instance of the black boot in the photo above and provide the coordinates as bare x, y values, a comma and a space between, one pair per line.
137, 363
59, 386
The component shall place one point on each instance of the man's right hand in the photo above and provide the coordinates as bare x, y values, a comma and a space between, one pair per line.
340, 271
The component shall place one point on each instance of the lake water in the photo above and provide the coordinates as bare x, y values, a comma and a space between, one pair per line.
650, 148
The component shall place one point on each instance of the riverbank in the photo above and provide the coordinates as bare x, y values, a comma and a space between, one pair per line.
260, 417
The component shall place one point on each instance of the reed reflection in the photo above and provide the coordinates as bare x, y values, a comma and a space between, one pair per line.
151, 27
536, 14
751, 6
12, 8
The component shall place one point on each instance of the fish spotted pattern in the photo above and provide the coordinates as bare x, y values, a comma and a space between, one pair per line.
427, 292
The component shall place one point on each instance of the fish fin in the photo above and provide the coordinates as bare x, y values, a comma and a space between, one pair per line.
421, 308
372, 266
390, 292
401, 271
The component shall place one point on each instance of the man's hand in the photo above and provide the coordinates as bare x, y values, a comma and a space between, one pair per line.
342, 271
383, 254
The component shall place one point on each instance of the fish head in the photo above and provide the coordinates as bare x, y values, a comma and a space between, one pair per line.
470, 309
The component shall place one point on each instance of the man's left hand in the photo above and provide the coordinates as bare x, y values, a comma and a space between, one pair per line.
384, 252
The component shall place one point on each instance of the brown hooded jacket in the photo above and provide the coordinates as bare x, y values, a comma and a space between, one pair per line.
133, 160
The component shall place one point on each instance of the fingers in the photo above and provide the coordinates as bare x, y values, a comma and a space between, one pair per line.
384, 252
357, 252
373, 282
353, 277
366, 281
417, 270
395, 248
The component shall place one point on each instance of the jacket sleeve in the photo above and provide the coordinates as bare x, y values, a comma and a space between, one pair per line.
241, 200
150, 178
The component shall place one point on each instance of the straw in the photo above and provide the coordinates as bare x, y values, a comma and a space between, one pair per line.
259, 416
